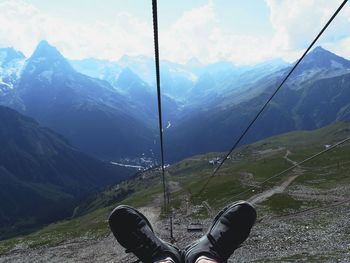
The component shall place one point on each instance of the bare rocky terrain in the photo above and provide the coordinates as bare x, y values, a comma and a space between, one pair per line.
318, 235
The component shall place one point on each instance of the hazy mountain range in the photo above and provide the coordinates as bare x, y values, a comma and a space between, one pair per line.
80, 107
109, 109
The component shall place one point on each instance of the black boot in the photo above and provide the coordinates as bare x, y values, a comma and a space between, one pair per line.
229, 229
134, 232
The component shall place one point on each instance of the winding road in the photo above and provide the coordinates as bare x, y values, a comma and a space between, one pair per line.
279, 188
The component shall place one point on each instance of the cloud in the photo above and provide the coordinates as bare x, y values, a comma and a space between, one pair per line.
296, 23
17, 23
196, 33
23, 26
190, 35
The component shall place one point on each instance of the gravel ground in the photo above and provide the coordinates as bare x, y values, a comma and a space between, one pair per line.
317, 236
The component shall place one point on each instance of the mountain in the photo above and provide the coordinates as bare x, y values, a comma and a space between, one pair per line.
9, 55
97, 68
218, 100
42, 175
176, 79
11, 63
89, 112
186, 83
320, 58
317, 95
143, 66
318, 64
204, 106
142, 96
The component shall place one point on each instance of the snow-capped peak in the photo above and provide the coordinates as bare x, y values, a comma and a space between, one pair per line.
46, 58
11, 65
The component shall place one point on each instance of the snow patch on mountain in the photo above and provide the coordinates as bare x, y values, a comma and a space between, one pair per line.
8, 85
11, 66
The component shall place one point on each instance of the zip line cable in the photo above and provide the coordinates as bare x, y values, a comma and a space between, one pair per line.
271, 97
156, 55
160, 119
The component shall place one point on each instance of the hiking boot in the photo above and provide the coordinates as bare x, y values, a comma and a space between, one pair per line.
134, 232
228, 231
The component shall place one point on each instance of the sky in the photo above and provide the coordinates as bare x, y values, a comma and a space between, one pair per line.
241, 31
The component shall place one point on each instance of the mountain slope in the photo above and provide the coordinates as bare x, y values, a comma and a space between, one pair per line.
42, 175
217, 101
89, 112
11, 64
322, 59
308, 100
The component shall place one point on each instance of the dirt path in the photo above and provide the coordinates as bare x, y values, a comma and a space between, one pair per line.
280, 188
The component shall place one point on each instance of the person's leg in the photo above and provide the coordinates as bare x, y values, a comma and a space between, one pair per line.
134, 232
228, 231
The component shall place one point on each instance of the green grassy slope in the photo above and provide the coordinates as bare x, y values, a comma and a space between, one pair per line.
248, 166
